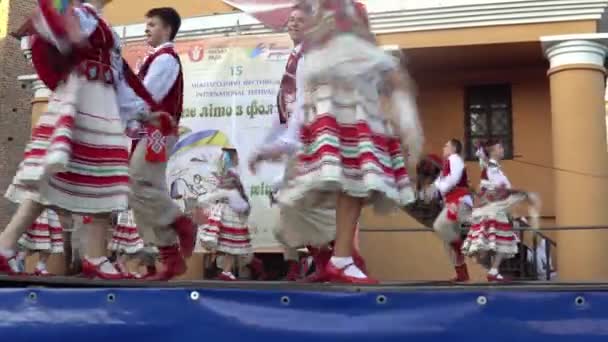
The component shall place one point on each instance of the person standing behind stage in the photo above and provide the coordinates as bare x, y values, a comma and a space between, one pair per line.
153, 208
298, 21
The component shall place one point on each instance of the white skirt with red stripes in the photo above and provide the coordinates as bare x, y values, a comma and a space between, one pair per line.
226, 231
77, 159
491, 231
125, 237
347, 144
45, 235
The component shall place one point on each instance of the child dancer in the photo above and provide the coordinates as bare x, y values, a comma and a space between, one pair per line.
44, 237
226, 231
492, 230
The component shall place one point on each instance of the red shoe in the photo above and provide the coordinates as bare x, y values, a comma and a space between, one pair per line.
337, 275
186, 231
124, 271
226, 277
43, 273
462, 274
321, 258
497, 278
359, 261
92, 271
173, 262
5, 267
293, 273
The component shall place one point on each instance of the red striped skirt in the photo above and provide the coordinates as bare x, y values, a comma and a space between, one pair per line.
45, 235
226, 231
125, 237
77, 159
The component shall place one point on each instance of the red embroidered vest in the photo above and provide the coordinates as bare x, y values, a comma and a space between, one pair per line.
174, 100
92, 61
287, 90
464, 179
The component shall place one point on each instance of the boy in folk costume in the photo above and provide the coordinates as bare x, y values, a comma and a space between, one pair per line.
453, 187
44, 237
154, 211
349, 155
226, 230
491, 232
77, 159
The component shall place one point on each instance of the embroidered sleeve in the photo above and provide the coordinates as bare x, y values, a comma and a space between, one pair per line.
497, 178
88, 22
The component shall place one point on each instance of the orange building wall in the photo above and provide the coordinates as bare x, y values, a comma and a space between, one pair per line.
123, 12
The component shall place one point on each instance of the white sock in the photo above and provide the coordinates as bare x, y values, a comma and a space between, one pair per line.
106, 266
229, 274
7, 252
41, 266
352, 270
493, 272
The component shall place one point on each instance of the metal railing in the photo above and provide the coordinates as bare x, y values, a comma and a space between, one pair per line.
525, 271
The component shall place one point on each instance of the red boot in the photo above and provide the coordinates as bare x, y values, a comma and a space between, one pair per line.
173, 264
293, 272
462, 274
92, 271
5, 267
337, 275
186, 231
320, 258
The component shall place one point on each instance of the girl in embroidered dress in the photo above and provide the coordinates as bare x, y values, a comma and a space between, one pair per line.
492, 229
44, 237
226, 230
77, 159
357, 120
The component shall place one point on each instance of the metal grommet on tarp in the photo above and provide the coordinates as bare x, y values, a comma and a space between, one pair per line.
579, 301
194, 295
381, 299
32, 296
111, 298
285, 300
482, 300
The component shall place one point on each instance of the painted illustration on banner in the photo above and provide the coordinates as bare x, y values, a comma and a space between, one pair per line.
230, 90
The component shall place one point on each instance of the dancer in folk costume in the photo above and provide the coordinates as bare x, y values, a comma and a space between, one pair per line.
313, 228
226, 231
452, 186
158, 216
77, 160
44, 237
356, 115
492, 224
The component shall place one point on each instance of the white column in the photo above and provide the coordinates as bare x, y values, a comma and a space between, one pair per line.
580, 157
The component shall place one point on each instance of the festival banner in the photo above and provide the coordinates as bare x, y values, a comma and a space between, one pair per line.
230, 92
